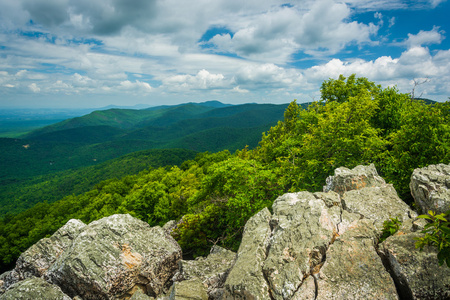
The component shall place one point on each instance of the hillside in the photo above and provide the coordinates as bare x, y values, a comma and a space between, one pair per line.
216, 193
45, 157
17, 196
104, 135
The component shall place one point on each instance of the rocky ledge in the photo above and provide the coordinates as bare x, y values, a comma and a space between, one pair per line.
322, 245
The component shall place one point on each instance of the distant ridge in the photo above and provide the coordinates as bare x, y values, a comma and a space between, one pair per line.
107, 134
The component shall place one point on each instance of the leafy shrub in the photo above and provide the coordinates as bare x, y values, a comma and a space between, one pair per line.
437, 233
390, 227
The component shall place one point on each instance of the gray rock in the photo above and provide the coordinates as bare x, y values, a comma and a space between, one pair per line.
246, 279
359, 177
430, 187
188, 290
170, 226
377, 203
212, 270
139, 295
113, 255
353, 269
36, 260
303, 229
34, 288
417, 273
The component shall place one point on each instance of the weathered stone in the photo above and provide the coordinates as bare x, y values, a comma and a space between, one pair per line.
188, 290
170, 226
212, 270
113, 255
246, 278
34, 288
359, 177
430, 187
307, 290
353, 269
416, 273
36, 260
329, 198
139, 295
303, 230
377, 203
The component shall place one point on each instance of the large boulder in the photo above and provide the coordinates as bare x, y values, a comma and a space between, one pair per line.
114, 256
359, 177
416, 273
379, 203
430, 187
36, 260
365, 193
303, 229
246, 279
34, 288
353, 269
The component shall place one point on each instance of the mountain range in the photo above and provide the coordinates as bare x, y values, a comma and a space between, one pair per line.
62, 150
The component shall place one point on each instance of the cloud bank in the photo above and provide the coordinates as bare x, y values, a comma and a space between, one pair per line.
171, 51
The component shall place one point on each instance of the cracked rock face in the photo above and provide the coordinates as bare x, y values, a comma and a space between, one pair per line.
114, 256
417, 273
430, 187
353, 269
246, 279
321, 245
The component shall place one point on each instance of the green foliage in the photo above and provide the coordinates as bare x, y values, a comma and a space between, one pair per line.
355, 122
53, 187
437, 234
390, 227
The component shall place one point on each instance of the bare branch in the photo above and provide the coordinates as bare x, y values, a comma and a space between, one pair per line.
418, 82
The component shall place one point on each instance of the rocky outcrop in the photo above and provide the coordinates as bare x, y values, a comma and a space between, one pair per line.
111, 256
37, 259
246, 280
359, 177
430, 187
34, 288
322, 245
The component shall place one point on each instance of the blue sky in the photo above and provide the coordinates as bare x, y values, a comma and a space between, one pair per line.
84, 53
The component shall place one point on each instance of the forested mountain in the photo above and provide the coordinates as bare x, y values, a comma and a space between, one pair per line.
104, 135
355, 122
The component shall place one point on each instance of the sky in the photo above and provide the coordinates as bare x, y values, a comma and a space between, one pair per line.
94, 53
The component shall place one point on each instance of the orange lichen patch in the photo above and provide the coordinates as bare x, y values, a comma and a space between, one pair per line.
26, 146
130, 259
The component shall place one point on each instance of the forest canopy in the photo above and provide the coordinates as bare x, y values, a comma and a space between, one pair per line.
355, 122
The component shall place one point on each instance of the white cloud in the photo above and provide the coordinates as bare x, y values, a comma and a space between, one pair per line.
34, 88
434, 36
137, 86
203, 80
281, 31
